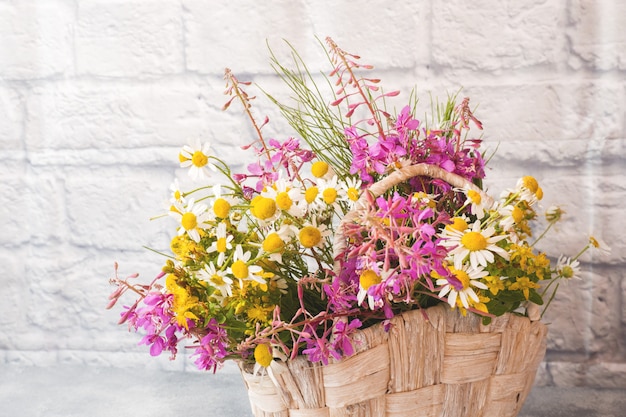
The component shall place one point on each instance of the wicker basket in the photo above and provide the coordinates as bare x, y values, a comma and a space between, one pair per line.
432, 362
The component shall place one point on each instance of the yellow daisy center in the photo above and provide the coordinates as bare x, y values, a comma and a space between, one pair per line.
567, 271
594, 242
330, 195
368, 278
240, 269
283, 200
517, 214
177, 195
474, 196
353, 194
273, 243
263, 207
220, 245
310, 236
461, 276
217, 280
458, 223
474, 241
539, 193
530, 183
263, 355
221, 207
199, 159
189, 221
319, 169
310, 194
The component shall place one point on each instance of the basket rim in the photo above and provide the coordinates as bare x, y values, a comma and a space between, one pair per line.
397, 177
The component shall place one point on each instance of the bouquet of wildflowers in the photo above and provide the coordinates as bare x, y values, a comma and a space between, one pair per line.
305, 247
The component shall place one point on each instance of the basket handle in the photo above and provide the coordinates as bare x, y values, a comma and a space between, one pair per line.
397, 177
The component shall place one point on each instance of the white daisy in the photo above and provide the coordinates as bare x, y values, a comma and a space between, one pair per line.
221, 244
567, 268
221, 205
479, 245
469, 277
312, 234
287, 197
196, 157
192, 219
476, 202
529, 190
352, 190
367, 279
217, 278
330, 193
273, 244
177, 197
511, 215
241, 270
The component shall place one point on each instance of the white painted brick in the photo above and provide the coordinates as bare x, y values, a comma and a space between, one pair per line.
36, 39
87, 115
14, 203
405, 21
31, 210
235, 36
122, 38
495, 36
15, 293
568, 320
597, 35
548, 112
11, 119
112, 211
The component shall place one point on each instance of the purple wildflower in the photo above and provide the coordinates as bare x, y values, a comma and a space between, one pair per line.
341, 332
213, 347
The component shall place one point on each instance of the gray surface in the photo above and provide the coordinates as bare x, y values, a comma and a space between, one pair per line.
108, 392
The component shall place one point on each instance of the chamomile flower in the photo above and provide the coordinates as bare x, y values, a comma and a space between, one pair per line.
196, 157
268, 360
352, 190
476, 202
599, 245
241, 270
221, 244
469, 276
264, 209
458, 224
312, 234
287, 197
424, 199
321, 169
476, 243
511, 215
313, 199
367, 279
554, 214
330, 193
274, 245
567, 268
192, 219
529, 189
177, 197
217, 278
222, 204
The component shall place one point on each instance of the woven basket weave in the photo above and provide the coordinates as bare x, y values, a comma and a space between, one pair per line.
433, 362
446, 365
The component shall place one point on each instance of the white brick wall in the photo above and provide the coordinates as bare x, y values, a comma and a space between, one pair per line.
96, 96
